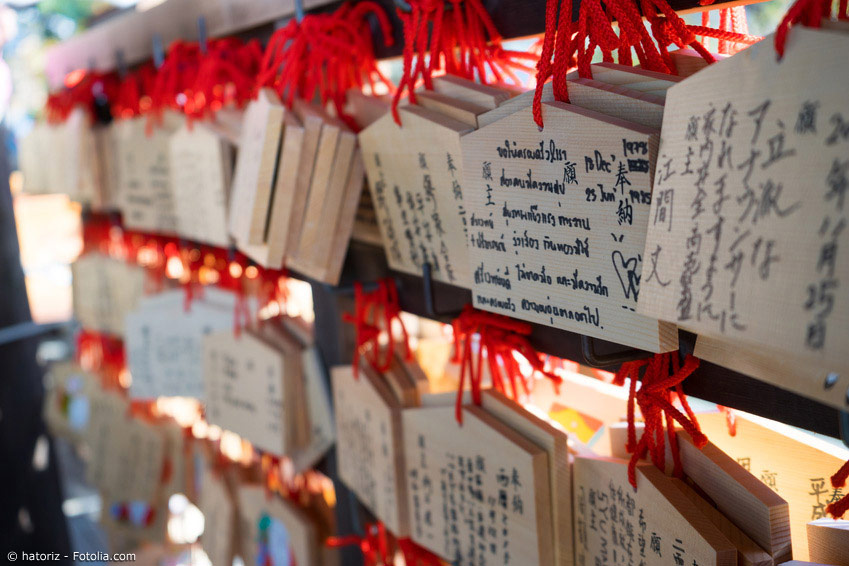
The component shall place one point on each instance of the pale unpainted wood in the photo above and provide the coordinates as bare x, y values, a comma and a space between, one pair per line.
773, 300
585, 407
458, 109
366, 109
757, 510
317, 247
828, 541
345, 227
369, 444
667, 512
464, 89
754, 508
614, 73
555, 442
611, 249
689, 62
393, 157
618, 101
312, 121
322, 426
794, 464
256, 164
200, 175
248, 397
434, 441
286, 189
276, 333
748, 552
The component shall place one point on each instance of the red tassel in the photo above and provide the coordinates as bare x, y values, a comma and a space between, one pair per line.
376, 314
654, 398
500, 339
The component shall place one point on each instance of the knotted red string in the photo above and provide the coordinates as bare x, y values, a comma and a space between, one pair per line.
81, 90
838, 480
809, 13
325, 55
174, 78
654, 398
501, 339
569, 45
375, 314
461, 40
225, 76
132, 98
374, 545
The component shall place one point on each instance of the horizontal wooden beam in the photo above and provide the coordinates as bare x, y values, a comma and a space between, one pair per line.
132, 32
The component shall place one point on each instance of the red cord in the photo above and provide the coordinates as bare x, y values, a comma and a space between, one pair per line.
370, 310
662, 377
500, 339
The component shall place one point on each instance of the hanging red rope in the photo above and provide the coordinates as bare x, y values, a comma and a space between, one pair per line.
458, 37
568, 45
375, 314
809, 13
655, 400
500, 340
325, 55
225, 76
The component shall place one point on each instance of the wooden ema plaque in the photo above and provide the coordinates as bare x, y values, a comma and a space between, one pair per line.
322, 431
759, 512
164, 346
336, 183
415, 177
144, 163
256, 164
478, 493
249, 389
557, 222
655, 525
201, 172
809, 378
105, 290
275, 529
748, 552
369, 444
283, 205
828, 541
745, 238
556, 444
126, 453
794, 464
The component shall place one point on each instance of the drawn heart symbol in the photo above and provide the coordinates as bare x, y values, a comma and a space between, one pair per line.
626, 270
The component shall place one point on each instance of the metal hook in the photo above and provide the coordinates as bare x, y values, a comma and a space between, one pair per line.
299, 11
158, 51
427, 290
121, 63
606, 360
202, 42
404, 6
844, 427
